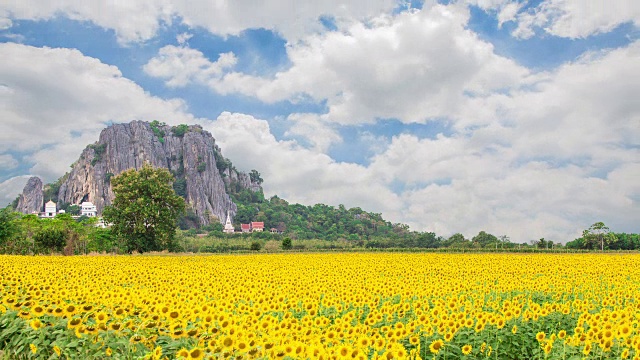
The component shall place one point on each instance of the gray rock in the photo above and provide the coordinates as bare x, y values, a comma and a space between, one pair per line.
32, 197
125, 146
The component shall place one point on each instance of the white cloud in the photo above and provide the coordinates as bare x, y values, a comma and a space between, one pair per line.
7, 162
295, 173
412, 66
183, 38
5, 23
316, 131
547, 160
135, 21
180, 66
56, 101
577, 18
11, 188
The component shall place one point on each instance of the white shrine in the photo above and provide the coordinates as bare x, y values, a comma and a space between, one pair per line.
88, 209
228, 226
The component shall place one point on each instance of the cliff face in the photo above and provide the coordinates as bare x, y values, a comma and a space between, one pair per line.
190, 154
32, 197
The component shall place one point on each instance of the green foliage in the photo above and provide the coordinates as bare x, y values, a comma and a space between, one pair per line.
221, 162
286, 243
98, 151
256, 246
188, 220
102, 240
14, 203
598, 236
50, 239
180, 130
51, 190
483, 239
159, 133
202, 166
254, 175
145, 209
107, 177
180, 187
8, 226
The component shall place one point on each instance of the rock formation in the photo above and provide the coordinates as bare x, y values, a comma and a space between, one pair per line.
32, 197
190, 153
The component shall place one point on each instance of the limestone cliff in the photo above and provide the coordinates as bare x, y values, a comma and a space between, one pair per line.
190, 153
32, 197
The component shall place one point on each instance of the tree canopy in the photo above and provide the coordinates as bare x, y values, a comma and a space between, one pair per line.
145, 209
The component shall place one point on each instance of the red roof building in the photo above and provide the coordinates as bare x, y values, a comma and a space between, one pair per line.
257, 226
245, 227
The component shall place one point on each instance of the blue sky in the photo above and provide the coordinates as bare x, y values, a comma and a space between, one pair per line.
453, 116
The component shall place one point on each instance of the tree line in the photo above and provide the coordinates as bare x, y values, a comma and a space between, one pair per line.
146, 213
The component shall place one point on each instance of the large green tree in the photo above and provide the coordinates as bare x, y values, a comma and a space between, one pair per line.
144, 212
597, 236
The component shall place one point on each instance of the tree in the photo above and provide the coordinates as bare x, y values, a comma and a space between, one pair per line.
145, 209
286, 243
598, 235
483, 239
8, 225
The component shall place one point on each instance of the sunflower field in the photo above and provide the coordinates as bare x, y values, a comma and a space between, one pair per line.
321, 306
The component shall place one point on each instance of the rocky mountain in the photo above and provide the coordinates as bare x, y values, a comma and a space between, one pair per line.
203, 176
32, 197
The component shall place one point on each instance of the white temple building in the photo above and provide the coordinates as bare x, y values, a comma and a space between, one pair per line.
228, 226
50, 210
88, 209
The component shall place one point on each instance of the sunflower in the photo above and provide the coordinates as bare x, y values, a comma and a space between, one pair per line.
35, 324
540, 336
34, 349
436, 346
587, 349
101, 317
36, 311
414, 340
157, 353
70, 310
74, 323
562, 334
108, 352
57, 350
228, 342
182, 353
136, 339
196, 353
466, 350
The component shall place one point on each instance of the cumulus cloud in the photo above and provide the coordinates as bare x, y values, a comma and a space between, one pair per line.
576, 18
135, 21
180, 66
314, 130
56, 101
7, 162
412, 66
558, 156
295, 173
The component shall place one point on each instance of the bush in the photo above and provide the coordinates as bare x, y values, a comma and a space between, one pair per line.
256, 246
286, 243
180, 130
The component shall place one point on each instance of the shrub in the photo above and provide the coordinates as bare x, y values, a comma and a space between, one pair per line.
286, 243
180, 130
256, 246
